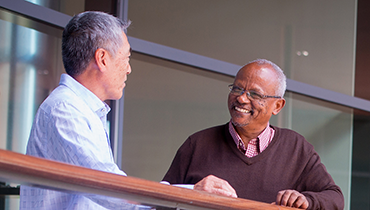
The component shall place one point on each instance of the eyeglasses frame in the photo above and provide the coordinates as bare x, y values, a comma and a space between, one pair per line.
248, 92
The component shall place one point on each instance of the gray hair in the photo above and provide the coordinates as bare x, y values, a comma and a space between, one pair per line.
87, 32
280, 90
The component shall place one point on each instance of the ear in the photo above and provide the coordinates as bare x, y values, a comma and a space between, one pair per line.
101, 59
279, 104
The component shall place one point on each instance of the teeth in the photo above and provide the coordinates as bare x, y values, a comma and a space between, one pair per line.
241, 110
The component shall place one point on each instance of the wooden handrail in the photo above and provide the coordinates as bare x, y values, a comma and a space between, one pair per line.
28, 170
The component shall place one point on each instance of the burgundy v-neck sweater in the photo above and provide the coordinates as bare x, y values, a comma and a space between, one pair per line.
289, 162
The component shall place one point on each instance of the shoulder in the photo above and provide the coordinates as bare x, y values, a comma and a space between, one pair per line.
60, 97
62, 106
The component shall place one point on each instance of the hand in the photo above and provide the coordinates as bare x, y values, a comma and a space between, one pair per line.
215, 185
291, 198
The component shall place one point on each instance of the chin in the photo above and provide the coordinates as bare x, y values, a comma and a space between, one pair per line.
239, 123
116, 96
119, 97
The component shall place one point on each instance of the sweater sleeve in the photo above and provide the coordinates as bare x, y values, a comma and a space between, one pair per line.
176, 174
319, 187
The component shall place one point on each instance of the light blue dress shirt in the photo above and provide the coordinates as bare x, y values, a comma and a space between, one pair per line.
70, 126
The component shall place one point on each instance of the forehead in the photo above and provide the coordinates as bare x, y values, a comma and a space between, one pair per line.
126, 45
253, 74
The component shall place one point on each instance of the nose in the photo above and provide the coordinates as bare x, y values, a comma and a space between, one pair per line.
129, 69
243, 98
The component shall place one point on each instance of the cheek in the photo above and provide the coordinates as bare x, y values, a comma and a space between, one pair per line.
261, 103
262, 106
230, 100
126, 67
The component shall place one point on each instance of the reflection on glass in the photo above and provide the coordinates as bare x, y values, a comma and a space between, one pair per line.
360, 183
323, 32
328, 127
69, 7
187, 100
72, 7
11, 202
29, 62
30, 67
165, 103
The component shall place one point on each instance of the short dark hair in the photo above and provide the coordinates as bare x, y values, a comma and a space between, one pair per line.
87, 32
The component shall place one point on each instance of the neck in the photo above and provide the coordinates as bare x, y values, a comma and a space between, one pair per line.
247, 134
90, 79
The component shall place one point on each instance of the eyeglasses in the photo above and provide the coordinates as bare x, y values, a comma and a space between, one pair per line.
252, 95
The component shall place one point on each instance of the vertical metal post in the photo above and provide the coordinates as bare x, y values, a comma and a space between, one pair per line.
12, 76
118, 105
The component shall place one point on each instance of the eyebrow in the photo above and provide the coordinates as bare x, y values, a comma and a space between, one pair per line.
258, 90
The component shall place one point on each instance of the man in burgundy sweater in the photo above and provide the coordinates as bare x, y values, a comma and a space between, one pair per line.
249, 158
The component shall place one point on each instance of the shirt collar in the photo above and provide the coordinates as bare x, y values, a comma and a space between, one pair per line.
264, 138
95, 104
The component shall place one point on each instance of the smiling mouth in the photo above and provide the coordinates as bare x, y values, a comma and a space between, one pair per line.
242, 110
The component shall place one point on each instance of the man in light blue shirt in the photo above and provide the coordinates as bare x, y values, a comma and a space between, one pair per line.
70, 125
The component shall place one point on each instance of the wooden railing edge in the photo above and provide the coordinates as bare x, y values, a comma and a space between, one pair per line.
28, 170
